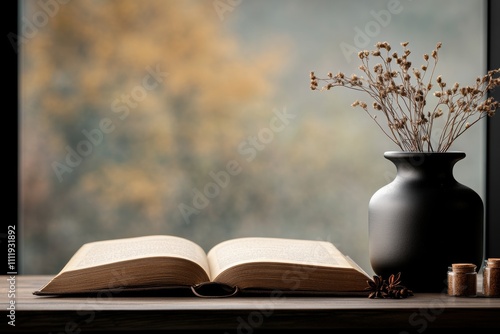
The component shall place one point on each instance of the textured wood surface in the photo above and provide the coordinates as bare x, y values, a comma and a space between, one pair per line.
415, 314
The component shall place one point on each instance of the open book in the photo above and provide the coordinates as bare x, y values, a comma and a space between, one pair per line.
238, 266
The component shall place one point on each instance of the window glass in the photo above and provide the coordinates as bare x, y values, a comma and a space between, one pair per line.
195, 118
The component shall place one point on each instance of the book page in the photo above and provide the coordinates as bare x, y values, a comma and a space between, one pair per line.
111, 251
243, 250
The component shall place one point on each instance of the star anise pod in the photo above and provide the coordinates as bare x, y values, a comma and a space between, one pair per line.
395, 289
392, 288
401, 293
377, 287
394, 281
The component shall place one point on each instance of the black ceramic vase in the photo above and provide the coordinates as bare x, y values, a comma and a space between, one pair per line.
423, 221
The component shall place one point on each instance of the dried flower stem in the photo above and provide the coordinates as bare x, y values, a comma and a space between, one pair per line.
399, 91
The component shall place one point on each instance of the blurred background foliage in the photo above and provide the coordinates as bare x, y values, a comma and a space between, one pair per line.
156, 96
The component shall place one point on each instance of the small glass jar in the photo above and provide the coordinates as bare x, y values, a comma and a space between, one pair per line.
491, 277
462, 280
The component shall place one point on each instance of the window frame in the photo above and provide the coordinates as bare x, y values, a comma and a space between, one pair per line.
492, 186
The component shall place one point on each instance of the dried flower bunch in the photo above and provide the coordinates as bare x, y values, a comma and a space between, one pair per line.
399, 92
392, 288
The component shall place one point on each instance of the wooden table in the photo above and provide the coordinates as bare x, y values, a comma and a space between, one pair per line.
424, 312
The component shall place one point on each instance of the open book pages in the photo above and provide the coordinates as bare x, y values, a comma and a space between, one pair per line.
289, 251
284, 263
163, 261
109, 251
131, 263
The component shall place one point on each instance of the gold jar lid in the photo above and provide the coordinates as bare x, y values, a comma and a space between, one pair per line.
493, 262
463, 267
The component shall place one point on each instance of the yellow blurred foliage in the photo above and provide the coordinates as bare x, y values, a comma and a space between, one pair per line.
147, 95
